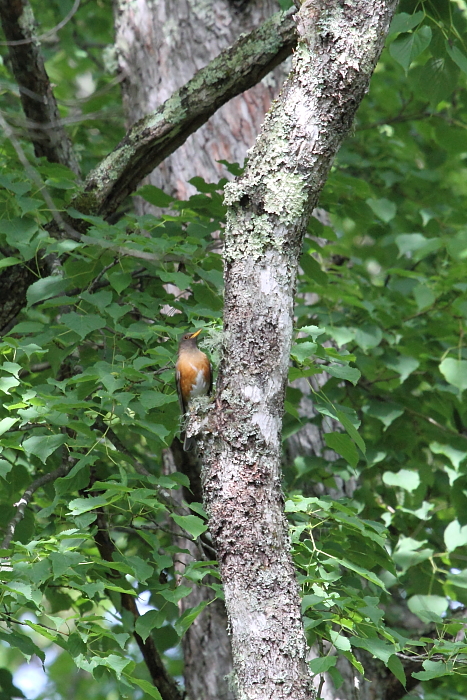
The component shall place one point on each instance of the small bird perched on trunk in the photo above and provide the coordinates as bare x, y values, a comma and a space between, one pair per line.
193, 375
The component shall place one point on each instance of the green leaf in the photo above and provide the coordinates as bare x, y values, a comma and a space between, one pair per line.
405, 479
379, 649
301, 352
424, 296
154, 195
174, 595
343, 445
385, 412
142, 570
45, 288
455, 535
405, 49
25, 645
146, 687
455, 372
402, 22
83, 505
81, 324
43, 446
394, 664
7, 383
368, 336
433, 669
5, 468
352, 431
322, 664
150, 620
6, 424
7, 262
339, 641
383, 208
62, 561
206, 297
20, 233
429, 608
191, 523
408, 553
312, 269
456, 456
351, 374
189, 616
458, 57
120, 280
416, 246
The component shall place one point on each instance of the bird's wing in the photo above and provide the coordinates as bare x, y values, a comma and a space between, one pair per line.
179, 392
210, 379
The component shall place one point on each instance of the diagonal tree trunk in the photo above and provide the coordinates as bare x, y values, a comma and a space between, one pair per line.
268, 210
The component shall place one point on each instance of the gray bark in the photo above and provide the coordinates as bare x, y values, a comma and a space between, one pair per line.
161, 44
268, 209
156, 136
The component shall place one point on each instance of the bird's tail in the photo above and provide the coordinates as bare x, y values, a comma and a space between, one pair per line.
188, 442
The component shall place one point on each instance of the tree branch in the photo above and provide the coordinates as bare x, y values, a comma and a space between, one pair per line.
156, 136
36, 94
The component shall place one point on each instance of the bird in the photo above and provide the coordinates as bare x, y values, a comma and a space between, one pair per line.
193, 373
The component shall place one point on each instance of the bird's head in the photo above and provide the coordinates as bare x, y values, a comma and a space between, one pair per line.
189, 340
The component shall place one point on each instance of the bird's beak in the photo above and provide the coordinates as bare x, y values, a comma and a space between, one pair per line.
193, 335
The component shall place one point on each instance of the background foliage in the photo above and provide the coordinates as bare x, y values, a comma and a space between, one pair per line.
87, 382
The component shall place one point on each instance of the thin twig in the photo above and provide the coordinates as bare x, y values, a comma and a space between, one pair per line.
96, 280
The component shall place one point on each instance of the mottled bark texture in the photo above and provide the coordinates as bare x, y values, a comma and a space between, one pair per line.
43, 119
154, 137
160, 46
339, 45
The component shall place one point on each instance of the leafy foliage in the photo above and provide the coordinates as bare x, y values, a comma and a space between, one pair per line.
87, 385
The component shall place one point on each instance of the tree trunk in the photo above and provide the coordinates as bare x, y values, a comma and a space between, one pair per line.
160, 45
268, 210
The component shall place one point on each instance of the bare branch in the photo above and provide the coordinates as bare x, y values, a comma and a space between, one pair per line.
37, 98
156, 136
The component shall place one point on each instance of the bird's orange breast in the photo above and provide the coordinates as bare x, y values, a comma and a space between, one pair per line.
193, 375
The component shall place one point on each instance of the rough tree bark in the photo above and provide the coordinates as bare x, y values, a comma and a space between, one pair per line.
268, 209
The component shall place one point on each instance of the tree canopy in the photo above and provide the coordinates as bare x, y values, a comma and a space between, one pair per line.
378, 516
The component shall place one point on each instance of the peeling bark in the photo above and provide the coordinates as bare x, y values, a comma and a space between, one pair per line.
268, 209
43, 119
